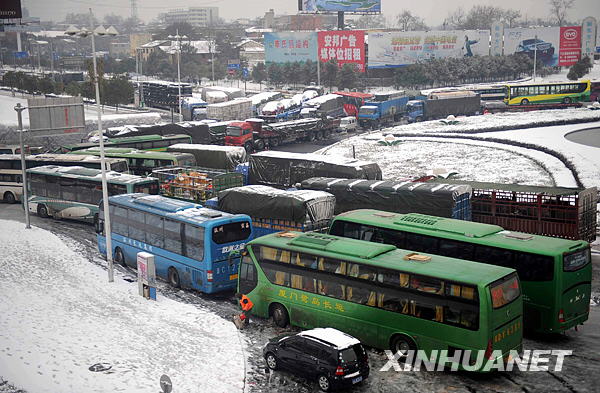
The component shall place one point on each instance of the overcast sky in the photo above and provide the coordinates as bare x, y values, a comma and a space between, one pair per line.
433, 11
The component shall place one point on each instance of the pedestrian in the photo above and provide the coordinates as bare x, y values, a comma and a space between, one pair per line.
247, 305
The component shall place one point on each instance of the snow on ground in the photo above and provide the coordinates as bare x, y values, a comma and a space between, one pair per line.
59, 316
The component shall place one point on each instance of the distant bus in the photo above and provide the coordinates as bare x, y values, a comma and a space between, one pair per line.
142, 162
11, 183
386, 297
547, 93
74, 192
353, 101
194, 247
142, 142
16, 149
556, 274
490, 93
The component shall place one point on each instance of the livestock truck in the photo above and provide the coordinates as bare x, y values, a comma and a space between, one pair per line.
385, 108
441, 105
254, 134
230, 110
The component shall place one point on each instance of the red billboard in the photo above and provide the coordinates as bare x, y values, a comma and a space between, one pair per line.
570, 45
346, 46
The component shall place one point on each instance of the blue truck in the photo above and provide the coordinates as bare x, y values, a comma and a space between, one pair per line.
385, 108
443, 104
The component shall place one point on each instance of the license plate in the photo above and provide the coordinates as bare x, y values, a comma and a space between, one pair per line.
356, 380
233, 277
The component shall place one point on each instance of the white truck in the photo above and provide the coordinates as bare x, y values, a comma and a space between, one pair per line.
238, 109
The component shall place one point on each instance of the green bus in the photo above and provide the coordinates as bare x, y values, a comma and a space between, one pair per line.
75, 192
556, 274
141, 142
142, 162
386, 297
542, 93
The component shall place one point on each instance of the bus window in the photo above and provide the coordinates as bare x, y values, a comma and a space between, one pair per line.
194, 242
456, 249
154, 228
173, 236
422, 243
37, 184
116, 189
137, 225
68, 188
52, 187
233, 232
147, 188
120, 221
426, 284
248, 276
493, 255
533, 267
505, 291
346, 229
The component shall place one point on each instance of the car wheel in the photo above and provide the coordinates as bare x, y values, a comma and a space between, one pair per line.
280, 315
9, 197
119, 257
567, 100
174, 277
402, 344
324, 383
525, 101
271, 361
42, 211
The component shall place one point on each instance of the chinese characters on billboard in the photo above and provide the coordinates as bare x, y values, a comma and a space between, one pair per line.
344, 46
398, 48
350, 6
553, 46
286, 47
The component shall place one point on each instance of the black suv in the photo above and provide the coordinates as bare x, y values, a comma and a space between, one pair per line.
331, 357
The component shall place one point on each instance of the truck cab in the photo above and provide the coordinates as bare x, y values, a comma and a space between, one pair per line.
241, 133
415, 110
368, 115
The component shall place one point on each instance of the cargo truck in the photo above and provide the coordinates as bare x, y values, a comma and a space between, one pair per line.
328, 105
230, 110
384, 109
254, 134
440, 105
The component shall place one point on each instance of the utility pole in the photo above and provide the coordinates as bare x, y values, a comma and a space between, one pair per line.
25, 196
535, 58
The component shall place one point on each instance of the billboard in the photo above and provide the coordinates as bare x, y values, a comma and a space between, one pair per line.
570, 45
351, 6
10, 9
589, 27
556, 46
286, 47
399, 48
346, 46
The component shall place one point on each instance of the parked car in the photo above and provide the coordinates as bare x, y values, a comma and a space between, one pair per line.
348, 124
528, 47
335, 359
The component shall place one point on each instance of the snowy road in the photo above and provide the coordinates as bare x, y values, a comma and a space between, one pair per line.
203, 313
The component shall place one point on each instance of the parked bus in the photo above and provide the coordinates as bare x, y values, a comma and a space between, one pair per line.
74, 192
386, 297
193, 247
16, 149
11, 184
143, 162
556, 274
142, 142
547, 93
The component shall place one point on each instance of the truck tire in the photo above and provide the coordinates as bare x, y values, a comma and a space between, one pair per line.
320, 135
418, 119
274, 142
311, 136
248, 147
259, 144
326, 134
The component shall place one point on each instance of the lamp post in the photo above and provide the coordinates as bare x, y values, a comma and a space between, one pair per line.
178, 38
25, 197
535, 58
107, 232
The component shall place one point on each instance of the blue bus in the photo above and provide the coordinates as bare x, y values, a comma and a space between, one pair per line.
193, 247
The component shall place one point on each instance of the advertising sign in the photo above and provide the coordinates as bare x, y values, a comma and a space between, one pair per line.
346, 46
588, 35
546, 39
497, 39
10, 9
570, 45
398, 48
350, 6
286, 47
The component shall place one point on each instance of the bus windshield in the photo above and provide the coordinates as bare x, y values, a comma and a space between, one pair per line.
505, 291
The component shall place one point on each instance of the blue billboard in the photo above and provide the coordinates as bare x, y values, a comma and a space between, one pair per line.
351, 6
286, 47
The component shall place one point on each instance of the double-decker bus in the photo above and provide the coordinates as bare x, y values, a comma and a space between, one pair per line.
141, 142
353, 101
74, 192
565, 93
386, 297
11, 183
556, 274
142, 162
193, 247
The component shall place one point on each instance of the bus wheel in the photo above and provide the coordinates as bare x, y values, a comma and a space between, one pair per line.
174, 277
42, 211
525, 101
403, 344
567, 100
280, 315
119, 257
9, 197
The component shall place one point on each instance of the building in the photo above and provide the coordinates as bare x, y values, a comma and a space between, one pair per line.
253, 52
195, 16
145, 50
118, 49
136, 40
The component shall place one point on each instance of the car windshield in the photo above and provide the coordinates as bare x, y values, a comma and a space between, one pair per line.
234, 131
367, 111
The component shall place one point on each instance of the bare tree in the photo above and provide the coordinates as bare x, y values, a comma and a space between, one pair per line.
510, 16
559, 9
407, 21
370, 21
455, 19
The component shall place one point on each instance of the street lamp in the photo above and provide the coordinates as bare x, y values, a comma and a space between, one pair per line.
535, 57
178, 38
84, 33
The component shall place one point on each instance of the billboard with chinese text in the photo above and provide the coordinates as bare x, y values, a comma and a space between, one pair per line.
346, 46
350, 6
399, 48
286, 47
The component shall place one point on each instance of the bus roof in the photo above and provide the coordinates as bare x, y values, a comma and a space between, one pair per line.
132, 153
386, 256
79, 172
71, 157
179, 210
473, 232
